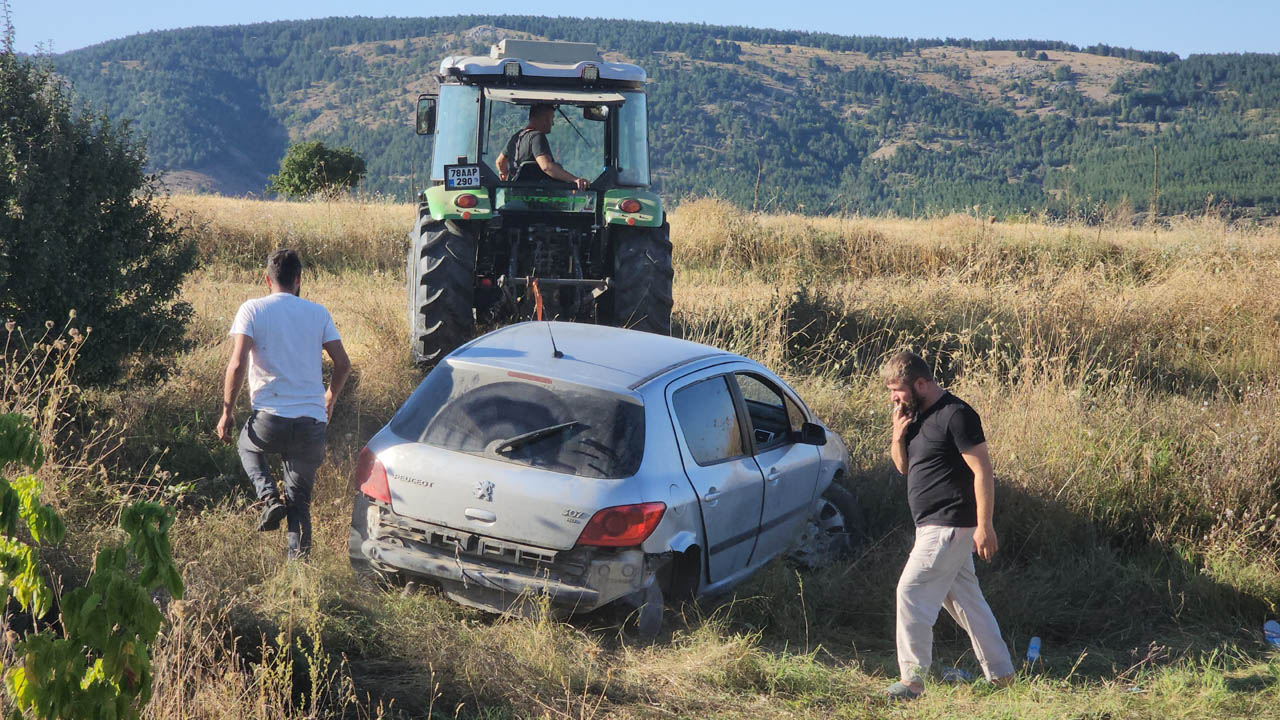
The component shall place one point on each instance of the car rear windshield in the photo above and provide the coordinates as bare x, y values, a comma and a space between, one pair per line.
525, 419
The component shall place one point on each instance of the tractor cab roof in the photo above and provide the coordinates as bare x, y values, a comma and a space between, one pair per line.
555, 96
543, 60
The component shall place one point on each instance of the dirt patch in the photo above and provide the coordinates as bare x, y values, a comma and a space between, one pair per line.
189, 182
885, 152
981, 74
126, 64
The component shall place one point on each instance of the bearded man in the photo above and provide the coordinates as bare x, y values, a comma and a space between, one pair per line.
938, 444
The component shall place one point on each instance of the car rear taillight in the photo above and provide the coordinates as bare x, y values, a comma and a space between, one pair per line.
466, 200
371, 477
630, 205
622, 526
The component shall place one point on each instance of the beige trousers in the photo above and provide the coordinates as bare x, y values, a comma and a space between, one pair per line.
939, 574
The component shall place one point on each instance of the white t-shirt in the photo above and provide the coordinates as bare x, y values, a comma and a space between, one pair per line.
284, 365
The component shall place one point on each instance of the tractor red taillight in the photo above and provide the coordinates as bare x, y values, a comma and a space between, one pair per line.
630, 205
371, 477
466, 200
622, 526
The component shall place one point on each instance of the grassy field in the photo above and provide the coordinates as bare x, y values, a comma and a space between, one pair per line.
1127, 381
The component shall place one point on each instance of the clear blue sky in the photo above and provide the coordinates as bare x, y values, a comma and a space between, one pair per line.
1181, 26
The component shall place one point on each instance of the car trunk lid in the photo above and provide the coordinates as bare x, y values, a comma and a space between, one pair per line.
491, 497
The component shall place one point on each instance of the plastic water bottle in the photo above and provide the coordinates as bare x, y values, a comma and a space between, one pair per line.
1271, 631
1033, 650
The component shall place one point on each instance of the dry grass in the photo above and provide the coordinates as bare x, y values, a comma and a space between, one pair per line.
1192, 304
1126, 380
360, 236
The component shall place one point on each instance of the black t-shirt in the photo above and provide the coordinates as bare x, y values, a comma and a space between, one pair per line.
939, 482
525, 146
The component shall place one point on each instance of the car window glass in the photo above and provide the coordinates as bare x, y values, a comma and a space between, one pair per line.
524, 419
771, 412
708, 420
795, 415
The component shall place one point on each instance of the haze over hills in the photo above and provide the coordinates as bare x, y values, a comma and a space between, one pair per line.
771, 119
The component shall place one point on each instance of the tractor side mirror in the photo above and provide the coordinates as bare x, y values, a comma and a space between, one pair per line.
811, 434
599, 113
426, 124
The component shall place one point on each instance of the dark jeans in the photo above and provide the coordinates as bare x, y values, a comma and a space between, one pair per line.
300, 444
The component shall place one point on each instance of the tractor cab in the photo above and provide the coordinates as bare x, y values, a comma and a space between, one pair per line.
600, 122
529, 246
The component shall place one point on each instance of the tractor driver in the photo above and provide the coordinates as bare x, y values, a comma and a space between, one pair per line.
530, 145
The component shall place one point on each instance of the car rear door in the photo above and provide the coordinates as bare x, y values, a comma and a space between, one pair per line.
790, 469
715, 452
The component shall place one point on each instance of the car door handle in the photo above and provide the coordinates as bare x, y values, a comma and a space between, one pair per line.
712, 495
773, 476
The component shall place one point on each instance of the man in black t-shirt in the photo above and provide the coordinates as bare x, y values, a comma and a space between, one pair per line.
530, 145
939, 445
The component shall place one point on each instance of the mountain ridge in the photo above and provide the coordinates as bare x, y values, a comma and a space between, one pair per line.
826, 123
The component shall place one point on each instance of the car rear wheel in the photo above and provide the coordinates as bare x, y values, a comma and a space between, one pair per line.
647, 605
831, 530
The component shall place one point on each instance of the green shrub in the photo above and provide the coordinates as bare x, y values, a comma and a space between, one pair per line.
79, 226
312, 167
98, 664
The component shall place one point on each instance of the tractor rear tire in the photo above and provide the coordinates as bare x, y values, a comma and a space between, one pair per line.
642, 276
441, 272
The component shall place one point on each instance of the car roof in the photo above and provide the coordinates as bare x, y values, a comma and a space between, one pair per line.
595, 355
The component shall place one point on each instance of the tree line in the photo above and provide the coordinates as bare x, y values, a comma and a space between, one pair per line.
228, 100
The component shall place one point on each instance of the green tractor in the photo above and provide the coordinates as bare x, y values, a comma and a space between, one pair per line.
487, 250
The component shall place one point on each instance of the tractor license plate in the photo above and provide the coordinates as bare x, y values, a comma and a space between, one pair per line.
458, 177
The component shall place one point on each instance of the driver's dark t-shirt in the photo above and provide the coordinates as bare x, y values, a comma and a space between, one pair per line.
525, 146
939, 482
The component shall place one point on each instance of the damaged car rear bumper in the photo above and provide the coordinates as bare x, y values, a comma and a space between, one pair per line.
470, 572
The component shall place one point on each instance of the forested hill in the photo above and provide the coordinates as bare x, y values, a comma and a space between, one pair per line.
778, 120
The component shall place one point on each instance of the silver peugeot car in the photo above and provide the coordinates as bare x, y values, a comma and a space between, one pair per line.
579, 464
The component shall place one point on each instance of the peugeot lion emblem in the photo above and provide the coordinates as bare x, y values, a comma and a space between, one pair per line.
484, 490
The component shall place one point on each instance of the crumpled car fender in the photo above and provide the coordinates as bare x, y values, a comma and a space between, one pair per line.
682, 541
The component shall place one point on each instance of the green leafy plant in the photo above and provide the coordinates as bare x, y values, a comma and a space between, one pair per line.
80, 226
312, 167
97, 664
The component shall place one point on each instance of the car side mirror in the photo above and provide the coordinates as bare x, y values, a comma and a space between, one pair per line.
811, 434
426, 124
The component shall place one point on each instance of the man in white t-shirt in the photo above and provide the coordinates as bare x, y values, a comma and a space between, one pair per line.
278, 339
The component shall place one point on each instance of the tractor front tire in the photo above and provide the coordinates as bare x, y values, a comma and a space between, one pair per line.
441, 273
642, 276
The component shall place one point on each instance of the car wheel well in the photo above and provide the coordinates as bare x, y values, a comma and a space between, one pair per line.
680, 577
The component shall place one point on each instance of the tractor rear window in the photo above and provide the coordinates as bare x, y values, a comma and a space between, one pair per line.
575, 142
524, 419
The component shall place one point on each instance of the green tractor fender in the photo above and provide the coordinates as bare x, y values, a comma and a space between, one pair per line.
649, 215
445, 204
